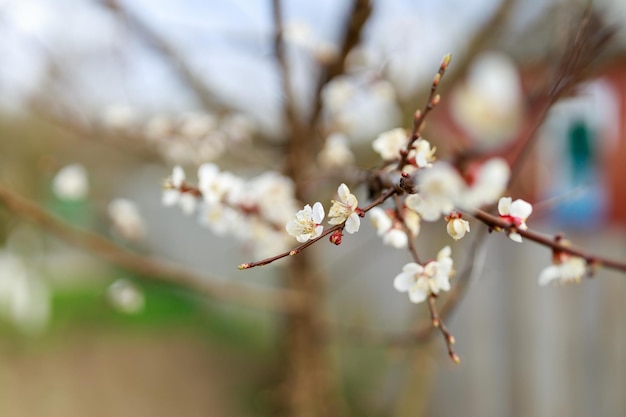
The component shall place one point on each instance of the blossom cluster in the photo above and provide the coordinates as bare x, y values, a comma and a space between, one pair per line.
188, 138
253, 210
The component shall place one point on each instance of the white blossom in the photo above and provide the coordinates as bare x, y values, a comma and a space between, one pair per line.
71, 183
457, 227
274, 195
489, 104
489, 182
306, 224
566, 269
516, 212
24, 298
127, 220
423, 153
389, 144
125, 296
391, 230
214, 184
420, 281
438, 187
336, 152
344, 210
173, 193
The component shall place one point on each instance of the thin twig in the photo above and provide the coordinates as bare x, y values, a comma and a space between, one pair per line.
438, 323
498, 223
420, 116
359, 14
278, 300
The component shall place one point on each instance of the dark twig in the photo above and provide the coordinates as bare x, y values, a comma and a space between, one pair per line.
497, 223
420, 116
359, 14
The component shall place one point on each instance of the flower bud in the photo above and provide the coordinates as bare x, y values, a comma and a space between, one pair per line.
335, 237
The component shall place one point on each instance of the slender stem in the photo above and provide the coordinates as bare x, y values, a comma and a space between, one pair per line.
438, 323
420, 116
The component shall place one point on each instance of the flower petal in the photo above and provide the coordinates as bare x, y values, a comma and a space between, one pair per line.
403, 281
504, 206
521, 209
417, 294
549, 274
318, 212
352, 223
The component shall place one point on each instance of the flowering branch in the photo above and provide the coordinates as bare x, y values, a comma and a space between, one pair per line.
384, 196
497, 223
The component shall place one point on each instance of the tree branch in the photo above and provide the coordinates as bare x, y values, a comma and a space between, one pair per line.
278, 300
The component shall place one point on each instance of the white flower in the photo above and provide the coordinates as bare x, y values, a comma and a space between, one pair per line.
391, 229
345, 210
381, 221
273, 194
489, 104
421, 281
438, 187
214, 184
126, 219
336, 152
516, 213
488, 183
424, 154
125, 296
457, 227
70, 183
389, 144
396, 238
569, 269
306, 224
174, 194
24, 297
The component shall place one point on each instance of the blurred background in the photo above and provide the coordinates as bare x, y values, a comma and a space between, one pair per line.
100, 99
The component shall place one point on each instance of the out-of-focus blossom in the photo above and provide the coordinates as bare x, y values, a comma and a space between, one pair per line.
274, 195
389, 144
438, 187
565, 269
489, 181
127, 220
307, 224
515, 212
420, 281
71, 183
344, 210
214, 184
489, 105
119, 117
336, 152
173, 192
24, 298
126, 297
391, 229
